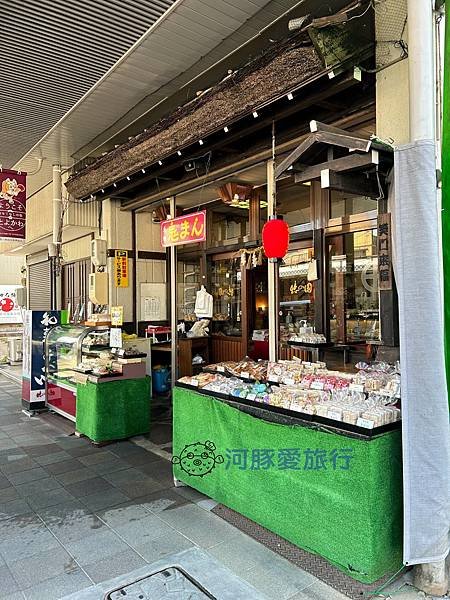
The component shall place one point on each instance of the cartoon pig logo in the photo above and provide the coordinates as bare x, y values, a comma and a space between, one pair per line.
198, 459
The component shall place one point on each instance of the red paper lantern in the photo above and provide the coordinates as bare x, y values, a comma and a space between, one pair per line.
275, 238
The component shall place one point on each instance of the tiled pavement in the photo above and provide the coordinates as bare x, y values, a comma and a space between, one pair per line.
72, 515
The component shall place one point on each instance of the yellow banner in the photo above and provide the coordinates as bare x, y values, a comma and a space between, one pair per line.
121, 268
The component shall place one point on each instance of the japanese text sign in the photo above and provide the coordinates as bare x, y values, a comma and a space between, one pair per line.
384, 252
9, 309
184, 230
121, 268
12, 205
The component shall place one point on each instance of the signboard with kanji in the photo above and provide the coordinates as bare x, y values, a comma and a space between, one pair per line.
184, 230
384, 252
9, 309
121, 268
13, 195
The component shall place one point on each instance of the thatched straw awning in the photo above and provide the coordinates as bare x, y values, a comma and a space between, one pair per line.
281, 68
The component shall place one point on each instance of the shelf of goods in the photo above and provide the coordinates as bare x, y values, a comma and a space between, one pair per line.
324, 486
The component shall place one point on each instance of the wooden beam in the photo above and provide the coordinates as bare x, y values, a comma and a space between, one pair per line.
343, 141
351, 183
316, 126
346, 163
295, 155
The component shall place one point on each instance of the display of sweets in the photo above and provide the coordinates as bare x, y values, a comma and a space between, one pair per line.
308, 338
292, 371
247, 368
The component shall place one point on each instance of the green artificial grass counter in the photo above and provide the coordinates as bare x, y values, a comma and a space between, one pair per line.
113, 410
331, 494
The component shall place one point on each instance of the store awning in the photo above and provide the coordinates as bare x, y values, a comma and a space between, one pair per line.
284, 67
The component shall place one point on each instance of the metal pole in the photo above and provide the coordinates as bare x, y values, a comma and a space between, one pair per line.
272, 270
173, 299
57, 228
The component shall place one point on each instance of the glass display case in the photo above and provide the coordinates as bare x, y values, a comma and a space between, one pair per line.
296, 293
65, 346
226, 291
188, 286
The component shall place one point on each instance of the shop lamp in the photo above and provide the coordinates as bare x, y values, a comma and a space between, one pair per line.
275, 238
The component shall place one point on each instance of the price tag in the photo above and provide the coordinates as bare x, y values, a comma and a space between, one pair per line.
289, 382
367, 423
274, 379
336, 415
251, 396
220, 369
356, 387
317, 385
245, 375
194, 382
307, 364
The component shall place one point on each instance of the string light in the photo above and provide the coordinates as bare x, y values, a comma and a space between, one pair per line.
179, 152
128, 178
143, 170
103, 191
290, 96
160, 163
115, 185
200, 142
226, 129
255, 114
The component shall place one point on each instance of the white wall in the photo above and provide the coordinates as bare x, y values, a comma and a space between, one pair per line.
10, 269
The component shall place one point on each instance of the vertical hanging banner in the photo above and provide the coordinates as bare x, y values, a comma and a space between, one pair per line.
13, 192
121, 268
384, 252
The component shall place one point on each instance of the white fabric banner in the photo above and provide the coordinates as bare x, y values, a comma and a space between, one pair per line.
425, 415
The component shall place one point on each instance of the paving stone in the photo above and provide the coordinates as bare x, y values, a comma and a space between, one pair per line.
103, 500
143, 530
89, 486
170, 543
34, 570
54, 457
8, 444
110, 466
98, 457
74, 476
43, 450
8, 494
27, 476
92, 548
25, 525
58, 587
4, 482
27, 543
161, 501
64, 466
319, 591
123, 513
8, 585
17, 463
49, 498
125, 476
114, 566
13, 508
76, 526
41, 485
135, 489
200, 526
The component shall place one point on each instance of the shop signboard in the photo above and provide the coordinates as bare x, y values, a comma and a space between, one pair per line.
184, 230
121, 268
36, 325
13, 192
384, 252
9, 309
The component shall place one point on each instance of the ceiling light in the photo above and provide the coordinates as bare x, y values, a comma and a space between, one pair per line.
290, 96
103, 191
143, 170
115, 184
200, 142
160, 162
226, 129
128, 178
179, 152
255, 114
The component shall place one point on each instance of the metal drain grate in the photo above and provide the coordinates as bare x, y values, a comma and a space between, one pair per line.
170, 584
316, 565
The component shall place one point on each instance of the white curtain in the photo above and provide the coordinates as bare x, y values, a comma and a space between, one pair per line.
426, 433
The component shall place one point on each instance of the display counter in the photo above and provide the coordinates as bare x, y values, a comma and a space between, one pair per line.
331, 492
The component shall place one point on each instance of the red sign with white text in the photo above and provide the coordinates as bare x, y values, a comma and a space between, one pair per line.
12, 205
184, 230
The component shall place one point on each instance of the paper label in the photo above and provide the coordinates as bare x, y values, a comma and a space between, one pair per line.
317, 385
220, 369
364, 423
251, 396
336, 415
245, 375
356, 387
289, 382
274, 378
194, 382
307, 364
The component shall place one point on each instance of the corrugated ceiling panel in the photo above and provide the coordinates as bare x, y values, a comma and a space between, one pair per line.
58, 50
